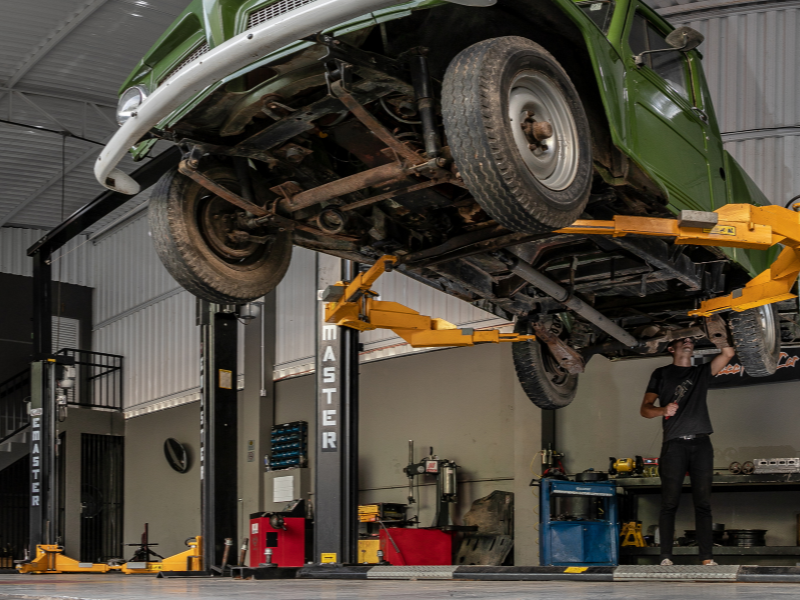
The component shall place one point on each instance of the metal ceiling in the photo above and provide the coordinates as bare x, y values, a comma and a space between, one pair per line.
61, 64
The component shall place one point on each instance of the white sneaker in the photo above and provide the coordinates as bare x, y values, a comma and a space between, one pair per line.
666, 563
710, 563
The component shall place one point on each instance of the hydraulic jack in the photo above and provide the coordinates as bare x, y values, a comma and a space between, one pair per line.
50, 559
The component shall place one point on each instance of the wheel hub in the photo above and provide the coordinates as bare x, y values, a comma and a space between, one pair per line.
766, 319
220, 228
543, 129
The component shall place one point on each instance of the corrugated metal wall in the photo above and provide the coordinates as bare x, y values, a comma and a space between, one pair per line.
72, 264
129, 273
295, 305
161, 346
142, 313
750, 57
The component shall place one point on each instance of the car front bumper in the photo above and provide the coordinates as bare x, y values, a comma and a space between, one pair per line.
234, 54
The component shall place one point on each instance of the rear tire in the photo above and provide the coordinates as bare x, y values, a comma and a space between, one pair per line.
757, 339
498, 99
547, 384
190, 227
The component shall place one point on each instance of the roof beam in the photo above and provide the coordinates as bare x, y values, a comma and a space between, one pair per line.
46, 114
59, 33
91, 152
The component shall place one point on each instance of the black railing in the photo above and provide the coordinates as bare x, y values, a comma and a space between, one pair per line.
98, 379
15, 500
14, 392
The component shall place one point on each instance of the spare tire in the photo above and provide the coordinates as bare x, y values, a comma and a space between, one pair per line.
518, 134
757, 339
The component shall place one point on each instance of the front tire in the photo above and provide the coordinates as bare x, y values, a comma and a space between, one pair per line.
191, 229
518, 133
757, 339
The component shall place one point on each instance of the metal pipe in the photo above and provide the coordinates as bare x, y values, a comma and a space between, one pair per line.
411, 499
552, 289
420, 77
346, 185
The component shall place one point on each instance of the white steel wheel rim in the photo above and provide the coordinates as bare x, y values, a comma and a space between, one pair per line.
766, 319
557, 166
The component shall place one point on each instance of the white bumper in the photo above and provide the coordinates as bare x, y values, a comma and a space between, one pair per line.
232, 55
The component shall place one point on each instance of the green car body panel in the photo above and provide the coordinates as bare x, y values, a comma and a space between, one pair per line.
672, 138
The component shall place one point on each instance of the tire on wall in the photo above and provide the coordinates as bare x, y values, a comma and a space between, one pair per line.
500, 99
757, 339
547, 385
190, 227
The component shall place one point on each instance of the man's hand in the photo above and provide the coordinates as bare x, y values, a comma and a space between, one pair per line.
649, 410
721, 360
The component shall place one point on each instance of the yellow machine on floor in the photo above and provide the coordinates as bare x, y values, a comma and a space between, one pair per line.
188, 560
50, 558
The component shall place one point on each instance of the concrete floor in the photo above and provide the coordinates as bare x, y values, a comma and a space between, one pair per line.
132, 587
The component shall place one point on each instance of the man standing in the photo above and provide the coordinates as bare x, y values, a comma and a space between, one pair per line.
681, 390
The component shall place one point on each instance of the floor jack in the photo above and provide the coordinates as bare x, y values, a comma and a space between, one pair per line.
50, 559
188, 561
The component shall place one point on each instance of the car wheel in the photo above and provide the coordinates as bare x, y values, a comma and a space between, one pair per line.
757, 339
191, 228
518, 134
542, 378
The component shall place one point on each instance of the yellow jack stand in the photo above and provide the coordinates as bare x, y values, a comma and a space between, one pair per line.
188, 560
50, 559
632, 534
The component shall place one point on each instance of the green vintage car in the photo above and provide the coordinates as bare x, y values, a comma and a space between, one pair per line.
456, 135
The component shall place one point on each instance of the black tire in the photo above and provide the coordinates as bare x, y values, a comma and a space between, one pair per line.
547, 385
487, 148
757, 339
185, 225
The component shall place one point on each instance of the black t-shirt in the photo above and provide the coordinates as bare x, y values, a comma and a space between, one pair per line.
688, 386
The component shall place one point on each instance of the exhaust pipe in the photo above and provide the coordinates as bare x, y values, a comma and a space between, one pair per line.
555, 291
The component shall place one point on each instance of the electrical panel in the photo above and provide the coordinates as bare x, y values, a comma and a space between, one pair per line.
289, 446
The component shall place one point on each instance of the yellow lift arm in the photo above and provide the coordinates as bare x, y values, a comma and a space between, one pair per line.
353, 304
733, 226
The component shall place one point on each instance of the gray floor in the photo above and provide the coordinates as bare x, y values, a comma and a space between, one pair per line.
132, 587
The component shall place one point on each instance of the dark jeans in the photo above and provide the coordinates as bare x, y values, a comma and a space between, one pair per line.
677, 458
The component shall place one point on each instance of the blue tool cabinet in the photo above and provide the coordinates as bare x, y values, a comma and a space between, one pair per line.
579, 542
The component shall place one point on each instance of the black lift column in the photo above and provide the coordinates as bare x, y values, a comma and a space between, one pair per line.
218, 431
336, 485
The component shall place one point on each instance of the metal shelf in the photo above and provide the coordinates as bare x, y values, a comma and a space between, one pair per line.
727, 483
718, 551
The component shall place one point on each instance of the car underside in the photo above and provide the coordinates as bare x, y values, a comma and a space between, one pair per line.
345, 147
